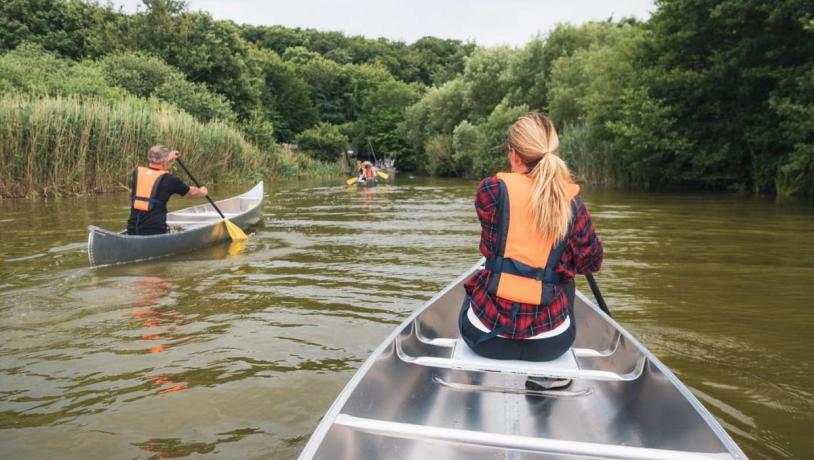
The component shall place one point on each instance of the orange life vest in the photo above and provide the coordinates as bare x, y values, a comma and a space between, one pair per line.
147, 181
369, 174
524, 262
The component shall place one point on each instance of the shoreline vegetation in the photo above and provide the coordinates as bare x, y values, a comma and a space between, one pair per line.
701, 96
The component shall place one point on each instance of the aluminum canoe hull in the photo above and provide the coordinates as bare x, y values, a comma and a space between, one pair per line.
200, 226
398, 406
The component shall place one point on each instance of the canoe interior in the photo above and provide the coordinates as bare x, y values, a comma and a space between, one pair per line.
191, 228
206, 214
394, 408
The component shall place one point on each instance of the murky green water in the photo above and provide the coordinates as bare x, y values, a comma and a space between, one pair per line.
216, 355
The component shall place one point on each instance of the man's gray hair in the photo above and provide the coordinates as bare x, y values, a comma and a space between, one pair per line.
157, 154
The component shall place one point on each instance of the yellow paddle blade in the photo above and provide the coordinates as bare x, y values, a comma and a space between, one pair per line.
383, 175
352, 180
234, 231
236, 247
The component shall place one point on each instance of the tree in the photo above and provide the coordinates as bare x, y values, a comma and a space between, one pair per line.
205, 50
285, 98
147, 76
324, 142
73, 29
717, 65
484, 77
380, 118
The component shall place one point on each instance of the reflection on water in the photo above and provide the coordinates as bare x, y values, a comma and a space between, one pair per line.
237, 352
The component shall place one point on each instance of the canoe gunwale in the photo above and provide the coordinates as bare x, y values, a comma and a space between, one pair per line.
322, 429
334, 415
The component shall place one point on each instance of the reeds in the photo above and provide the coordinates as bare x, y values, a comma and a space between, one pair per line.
58, 145
588, 159
290, 163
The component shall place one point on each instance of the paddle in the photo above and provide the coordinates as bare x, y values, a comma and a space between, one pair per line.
383, 175
234, 231
597, 293
352, 180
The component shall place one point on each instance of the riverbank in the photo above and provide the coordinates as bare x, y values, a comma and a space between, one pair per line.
53, 146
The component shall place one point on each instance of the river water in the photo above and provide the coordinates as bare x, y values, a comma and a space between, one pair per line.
223, 355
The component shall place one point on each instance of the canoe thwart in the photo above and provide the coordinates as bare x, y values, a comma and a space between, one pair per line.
517, 442
566, 366
578, 352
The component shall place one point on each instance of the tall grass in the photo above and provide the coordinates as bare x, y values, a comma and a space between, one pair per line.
290, 163
56, 145
589, 159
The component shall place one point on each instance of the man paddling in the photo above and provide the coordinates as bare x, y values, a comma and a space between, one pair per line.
151, 189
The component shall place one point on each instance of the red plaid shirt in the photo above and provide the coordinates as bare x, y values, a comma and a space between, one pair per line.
583, 254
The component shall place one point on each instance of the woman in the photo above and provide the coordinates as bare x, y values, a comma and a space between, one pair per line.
536, 236
366, 173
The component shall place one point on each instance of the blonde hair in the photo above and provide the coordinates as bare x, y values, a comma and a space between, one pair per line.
536, 143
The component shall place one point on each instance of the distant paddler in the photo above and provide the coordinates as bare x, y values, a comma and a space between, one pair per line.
151, 189
367, 174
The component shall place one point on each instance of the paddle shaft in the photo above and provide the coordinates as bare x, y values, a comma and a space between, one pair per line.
597, 293
197, 184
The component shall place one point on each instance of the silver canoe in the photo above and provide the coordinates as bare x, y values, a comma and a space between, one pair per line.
423, 395
194, 228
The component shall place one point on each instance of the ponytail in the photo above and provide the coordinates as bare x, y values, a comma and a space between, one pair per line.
550, 203
535, 141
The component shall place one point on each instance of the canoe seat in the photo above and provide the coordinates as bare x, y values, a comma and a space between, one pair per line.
464, 358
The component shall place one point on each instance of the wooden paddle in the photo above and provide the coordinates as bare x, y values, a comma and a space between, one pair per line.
234, 231
597, 293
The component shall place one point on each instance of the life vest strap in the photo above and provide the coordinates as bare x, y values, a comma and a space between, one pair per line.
156, 203
515, 267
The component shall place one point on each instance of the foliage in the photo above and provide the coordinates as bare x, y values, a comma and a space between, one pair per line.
440, 161
195, 99
706, 93
140, 74
285, 98
728, 71
33, 70
56, 145
147, 76
292, 164
380, 117
73, 29
324, 142
485, 84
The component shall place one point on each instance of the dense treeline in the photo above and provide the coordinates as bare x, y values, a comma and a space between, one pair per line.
270, 85
705, 94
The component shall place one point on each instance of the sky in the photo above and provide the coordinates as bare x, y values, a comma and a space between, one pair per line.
487, 22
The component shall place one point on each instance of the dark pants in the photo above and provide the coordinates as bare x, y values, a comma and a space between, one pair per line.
525, 350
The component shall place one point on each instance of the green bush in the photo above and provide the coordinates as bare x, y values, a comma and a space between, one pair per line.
440, 161
146, 76
324, 142
196, 99
33, 70
138, 73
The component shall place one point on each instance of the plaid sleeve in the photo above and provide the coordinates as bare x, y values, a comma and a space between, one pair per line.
486, 203
584, 252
